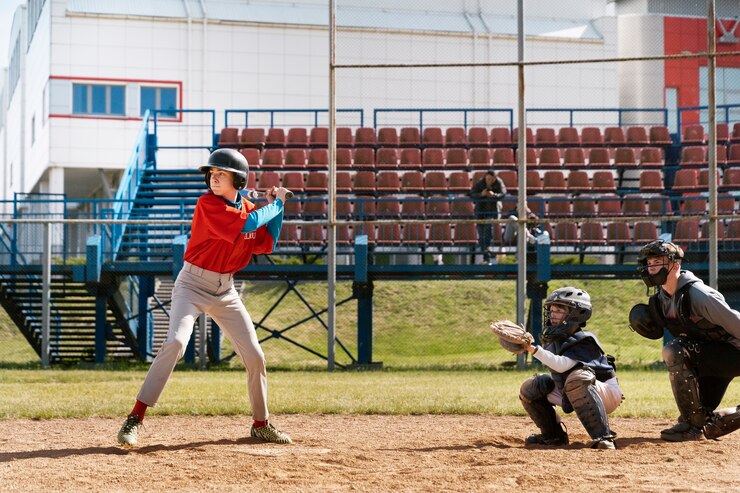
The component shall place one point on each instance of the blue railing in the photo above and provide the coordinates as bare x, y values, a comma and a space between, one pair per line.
618, 112
508, 119
167, 119
722, 111
314, 113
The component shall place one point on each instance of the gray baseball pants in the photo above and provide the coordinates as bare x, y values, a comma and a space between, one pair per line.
199, 291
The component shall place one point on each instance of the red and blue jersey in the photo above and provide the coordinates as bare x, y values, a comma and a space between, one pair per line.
225, 235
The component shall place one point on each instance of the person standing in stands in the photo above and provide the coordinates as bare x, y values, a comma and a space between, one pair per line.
487, 193
226, 230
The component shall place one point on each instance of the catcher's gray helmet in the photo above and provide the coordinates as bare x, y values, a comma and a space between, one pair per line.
579, 303
228, 160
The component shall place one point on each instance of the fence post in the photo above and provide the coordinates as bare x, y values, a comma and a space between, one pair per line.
46, 298
362, 289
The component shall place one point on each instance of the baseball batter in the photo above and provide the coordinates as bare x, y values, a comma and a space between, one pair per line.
582, 377
226, 231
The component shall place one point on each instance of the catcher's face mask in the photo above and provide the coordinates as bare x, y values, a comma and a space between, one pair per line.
656, 260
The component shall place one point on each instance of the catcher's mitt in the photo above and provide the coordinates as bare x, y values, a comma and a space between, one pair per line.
513, 337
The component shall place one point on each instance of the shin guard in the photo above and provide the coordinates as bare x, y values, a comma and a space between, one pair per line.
589, 407
684, 384
533, 394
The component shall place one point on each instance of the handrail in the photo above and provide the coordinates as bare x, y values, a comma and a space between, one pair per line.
464, 111
720, 107
618, 111
272, 113
156, 119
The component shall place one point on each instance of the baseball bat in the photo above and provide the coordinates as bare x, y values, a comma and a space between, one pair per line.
254, 194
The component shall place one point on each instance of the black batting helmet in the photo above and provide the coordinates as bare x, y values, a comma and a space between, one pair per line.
657, 248
227, 160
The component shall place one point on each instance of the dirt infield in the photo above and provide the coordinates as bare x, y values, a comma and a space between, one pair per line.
355, 453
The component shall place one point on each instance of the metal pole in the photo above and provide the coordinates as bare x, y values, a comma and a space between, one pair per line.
46, 297
712, 157
331, 260
203, 341
521, 207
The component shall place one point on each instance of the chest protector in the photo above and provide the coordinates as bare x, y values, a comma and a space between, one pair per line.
583, 347
682, 325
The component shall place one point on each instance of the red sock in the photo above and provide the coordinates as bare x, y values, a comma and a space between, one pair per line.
139, 410
260, 424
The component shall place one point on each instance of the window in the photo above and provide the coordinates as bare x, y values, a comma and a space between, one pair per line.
159, 98
90, 99
33, 129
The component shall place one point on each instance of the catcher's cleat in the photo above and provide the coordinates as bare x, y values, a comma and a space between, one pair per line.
129, 433
269, 433
681, 432
560, 438
721, 423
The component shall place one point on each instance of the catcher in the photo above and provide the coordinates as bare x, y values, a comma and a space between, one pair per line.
582, 377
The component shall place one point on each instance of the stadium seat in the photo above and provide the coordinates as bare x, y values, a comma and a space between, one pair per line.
651, 157
565, 233
559, 207
637, 136
534, 181
614, 136
440, 234
478, 137
411, 158
364, 182
344, 235
344, 137
726, 204
318, 137
461, 208
387, 158
734, 156
344, 208
537, 205
412, 182
550, 158
584, 207
432, 137
731, 180
592, 234
704, 230
363, 208
413, 208
275, 137
388, 181
531, 156
295, 159
644, 232
288, 235
388, 137
686, 233
465, 234
515, 137
480, 158
414, 234
365, 137
609, 205
252, 156
733, 230
314, 209
693, 135
694, 156
344, 181
317, 182
574, 157
459, 181
387, 208
228, 137
703, 178
293, 209
545, 136
591, 137
723, 133
634, 205
659, 205
367, 230
388, 234
735, 137
501, 136
598, 157
410, 137
686, 180
578, 181
344, 158
693, 204
660, 136
553, 181
251, 180
457, 158
651, 180
568, 137
272, 159
435, 182
509, 177
364, 158
293, 181
721, 155
297, 137
503, 157
253, 137
318, 159
437, 207
433, 158
618, 233
624, 157
455, 137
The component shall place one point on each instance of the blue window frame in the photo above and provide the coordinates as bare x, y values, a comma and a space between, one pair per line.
95, 99
159, 98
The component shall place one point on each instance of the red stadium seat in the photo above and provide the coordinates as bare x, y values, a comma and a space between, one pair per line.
388, 181
229, 137
388, 234
412, 182
414, 234
568, 137
624, 157
440, 234
364, 158
411, 158
726, 204
686, 180
344, 158
686, 233
288, 235
545, 136
433, 158
534, 181
253, 137
584, 206
317, 182
272, 159
480, 158
387, 208
614, 136
550, 158
509, 177
252, 156
599, 157
515, 137
459, 181
637, 136
344, 137
733, 230
387, 158
251, 180
503, 157
501, 136
651, 181
609, 205
659, 206
295, 159
723, 133
364, 182
409, 137
297, 137
557, 207
554, 181
461, 208
634, 205
531, 156
314, 209
578, 181
731, 180
565, 233
592, 234
694, 156
319, 137
693, 204
275, 137
344, 181
693, 135
455, 136
734, 157
660, 136
388, 137
293, 181
478, 137
704, 230
465, 234
435, 182
437, 207
618, 233
457, 158
591, 137
574, 158
365, 137
413, 208
363, 208
645, 232
603, 181
651, 157
318, 159
432, 137
735, 137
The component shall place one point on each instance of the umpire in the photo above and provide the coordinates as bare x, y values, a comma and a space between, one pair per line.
487, 192
704, 355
